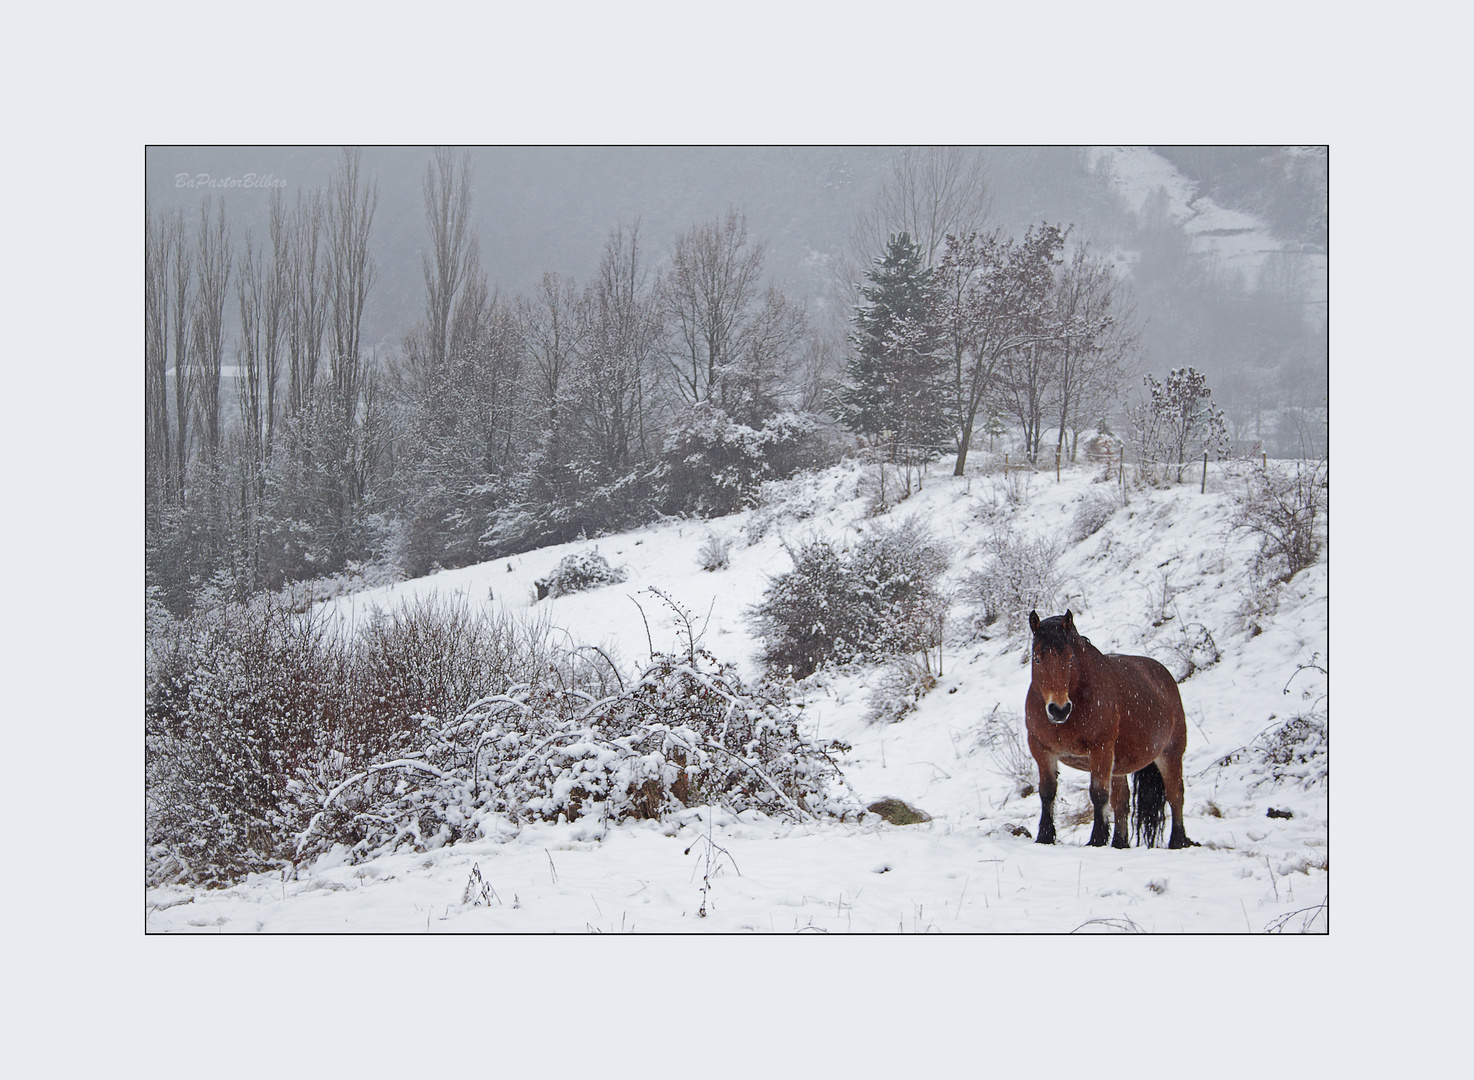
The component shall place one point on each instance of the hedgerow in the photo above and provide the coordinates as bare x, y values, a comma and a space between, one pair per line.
271, 738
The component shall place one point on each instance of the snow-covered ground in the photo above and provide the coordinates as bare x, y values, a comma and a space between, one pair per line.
1163, 557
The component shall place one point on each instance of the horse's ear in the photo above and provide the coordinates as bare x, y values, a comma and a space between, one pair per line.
1070, 630
1034, 621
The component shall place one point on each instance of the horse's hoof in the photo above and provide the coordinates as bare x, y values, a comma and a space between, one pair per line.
1120, 842
1044, 840
1098, 843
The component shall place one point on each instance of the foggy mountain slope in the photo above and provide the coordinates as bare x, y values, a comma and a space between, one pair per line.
541, 209
1240, 240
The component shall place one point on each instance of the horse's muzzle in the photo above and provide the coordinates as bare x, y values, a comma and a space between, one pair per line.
1058, 714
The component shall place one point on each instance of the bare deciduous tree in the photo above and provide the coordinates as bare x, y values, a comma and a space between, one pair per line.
615, 380
454, 257
307, 315
181, 264
932, 192
554, 328
157, 450
713, 278
357, 428
207, 334
1096, 343
769, 350
993, 294
1178, 421
350, 275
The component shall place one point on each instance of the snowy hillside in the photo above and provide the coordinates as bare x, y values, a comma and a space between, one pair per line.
1155, 571
1240, 241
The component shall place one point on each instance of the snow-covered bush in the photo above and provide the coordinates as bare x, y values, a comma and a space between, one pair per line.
879, 600
568, 501
238, 701
899, 568
1297, 751
1294, 751
254, 713
810, 614
1019, 576
1285, 511
714, 465
270, 738
781, 502
1091, 515
579, 573
687, 733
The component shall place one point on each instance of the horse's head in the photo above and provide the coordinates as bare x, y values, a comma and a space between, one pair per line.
1056, 654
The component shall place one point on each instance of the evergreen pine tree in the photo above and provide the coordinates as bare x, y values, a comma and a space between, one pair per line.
893, 379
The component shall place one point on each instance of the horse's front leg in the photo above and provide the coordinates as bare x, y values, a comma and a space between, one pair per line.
1100, 793
1048, 786
1121, 811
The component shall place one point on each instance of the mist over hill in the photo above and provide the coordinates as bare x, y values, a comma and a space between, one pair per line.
625, 333
1225, 246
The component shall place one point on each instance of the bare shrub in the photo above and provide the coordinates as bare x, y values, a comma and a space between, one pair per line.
1258, 601
255, 713
271, 738
715, 553
1018, 577
1004, 740
1284, 510
904, 681
1011, 486
1091, 515
1160, 597
1193, 650
1296, 750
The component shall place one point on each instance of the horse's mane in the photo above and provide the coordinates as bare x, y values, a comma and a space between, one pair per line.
1052, 633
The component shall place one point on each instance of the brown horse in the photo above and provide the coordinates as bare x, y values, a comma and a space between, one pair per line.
1112, 716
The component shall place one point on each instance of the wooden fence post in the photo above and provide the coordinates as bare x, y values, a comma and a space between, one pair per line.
1056, 466
1204, 487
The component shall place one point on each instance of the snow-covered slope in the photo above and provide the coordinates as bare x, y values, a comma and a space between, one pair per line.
1164, 575
1240, 241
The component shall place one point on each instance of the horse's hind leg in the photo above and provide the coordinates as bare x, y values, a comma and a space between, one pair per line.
1170, 765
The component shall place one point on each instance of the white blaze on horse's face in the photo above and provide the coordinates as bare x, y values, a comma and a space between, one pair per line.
1052, 678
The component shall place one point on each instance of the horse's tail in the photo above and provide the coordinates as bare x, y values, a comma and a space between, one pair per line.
1150, 795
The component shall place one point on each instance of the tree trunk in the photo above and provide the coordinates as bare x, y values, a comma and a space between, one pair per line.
964, 444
